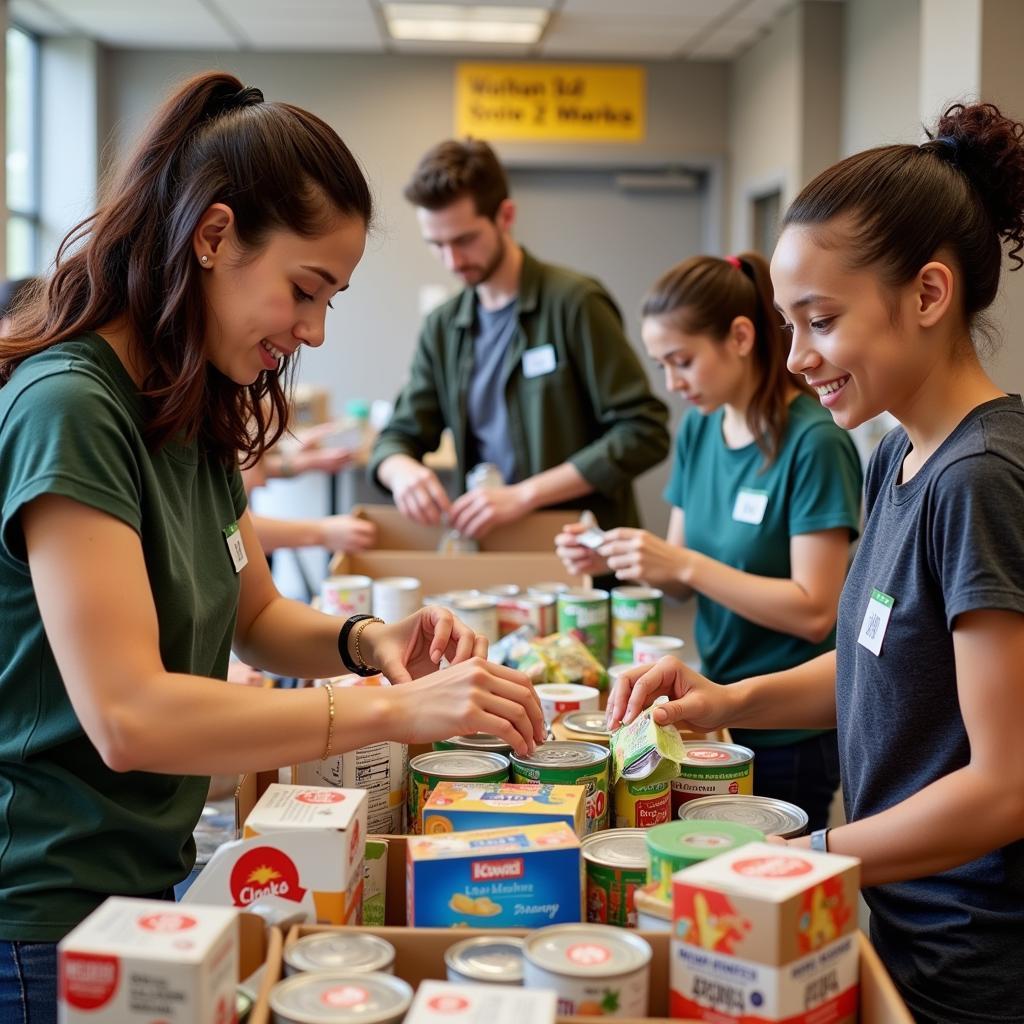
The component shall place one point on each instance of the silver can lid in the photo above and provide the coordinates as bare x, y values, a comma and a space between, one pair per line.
340, 998
481, 741
564, 754
766, 814
586, 723
497, 961
504, 590
347, 952
638, 593
548, 588
617, 848
580, 595
459, 764
711, 754
587, 950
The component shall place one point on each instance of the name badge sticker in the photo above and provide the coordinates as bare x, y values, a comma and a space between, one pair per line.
538, 361
750, 506
876, 620
236, 549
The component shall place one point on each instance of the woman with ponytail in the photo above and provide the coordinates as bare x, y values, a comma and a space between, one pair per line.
158, 351
885, 270
765, 496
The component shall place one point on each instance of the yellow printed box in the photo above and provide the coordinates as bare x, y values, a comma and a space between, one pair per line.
495, 878
466, 806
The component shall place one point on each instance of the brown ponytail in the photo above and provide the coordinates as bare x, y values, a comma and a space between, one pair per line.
703, 295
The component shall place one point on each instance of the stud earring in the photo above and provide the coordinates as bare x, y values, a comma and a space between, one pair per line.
204, 260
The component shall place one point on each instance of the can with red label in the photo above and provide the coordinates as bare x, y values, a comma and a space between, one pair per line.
712, 769
641, 803
518, 610
616, 865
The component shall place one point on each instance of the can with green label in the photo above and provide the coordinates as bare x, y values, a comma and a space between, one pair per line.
427, 770
636, 611
616, 866
584, 614
679, 844
568, 763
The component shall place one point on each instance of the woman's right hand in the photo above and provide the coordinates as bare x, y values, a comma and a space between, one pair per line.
694, 702
577, 559
473, 696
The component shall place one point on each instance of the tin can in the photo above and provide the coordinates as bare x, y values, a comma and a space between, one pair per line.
486, 961
616, 866
585, 726
447, 598
571, 764
341, 952
636, 612
648, 649
340, 998
766, 814
712, 769
557, 698
480, 614
653, 914
396, 597
346, 595
641, 803
679, 844
595, 969
548, 588
427, 770
503, 590
584, 615
477, 741
536, 610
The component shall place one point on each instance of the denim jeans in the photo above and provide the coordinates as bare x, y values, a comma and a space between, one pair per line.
28, 982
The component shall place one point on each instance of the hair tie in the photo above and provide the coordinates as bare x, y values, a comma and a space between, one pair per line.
946, 147
734, 261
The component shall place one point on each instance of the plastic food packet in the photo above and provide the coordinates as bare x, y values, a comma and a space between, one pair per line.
560, 658
513, 647
640, 748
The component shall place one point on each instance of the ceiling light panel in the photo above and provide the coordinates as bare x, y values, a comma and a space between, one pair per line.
453, 23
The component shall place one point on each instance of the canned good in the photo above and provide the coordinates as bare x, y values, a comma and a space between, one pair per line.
346, 595
536, 610
766, 814
653, 914
641, 803
342, 952
427, 770
616, 866
448, 598
636, 612
588, 726
477, 741
480, 613
557, 698
595, 969
584, 615
340, 998
548, 588
712, 769
395, 597
486, 960
648, 649
679, 844
570, 764
503, 590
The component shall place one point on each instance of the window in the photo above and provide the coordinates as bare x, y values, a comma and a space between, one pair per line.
767, 211
22, 153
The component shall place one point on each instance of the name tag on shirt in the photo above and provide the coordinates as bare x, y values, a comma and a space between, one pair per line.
538, 361
750, 506
236, 549
876, 619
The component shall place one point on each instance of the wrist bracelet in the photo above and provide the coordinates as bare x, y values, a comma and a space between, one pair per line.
819, 840
330, 723
358, 666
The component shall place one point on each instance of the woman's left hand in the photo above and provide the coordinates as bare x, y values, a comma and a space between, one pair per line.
414, 647
639, 555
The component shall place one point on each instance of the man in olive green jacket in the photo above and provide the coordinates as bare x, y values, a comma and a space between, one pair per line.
529, 367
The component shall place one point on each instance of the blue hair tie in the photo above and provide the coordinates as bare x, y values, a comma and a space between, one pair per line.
950, 145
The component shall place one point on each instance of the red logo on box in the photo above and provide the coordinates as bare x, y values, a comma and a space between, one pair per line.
167, 922
448, 1004
265, 871
780, 866
315, 796
486, 870
87, 981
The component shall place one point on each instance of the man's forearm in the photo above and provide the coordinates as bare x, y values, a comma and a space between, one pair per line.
553, 487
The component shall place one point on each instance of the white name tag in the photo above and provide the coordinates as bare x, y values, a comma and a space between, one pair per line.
876, 619
750, 506
538, 361
236, 549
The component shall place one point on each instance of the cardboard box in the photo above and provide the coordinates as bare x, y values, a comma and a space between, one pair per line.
438, 1002
465, 806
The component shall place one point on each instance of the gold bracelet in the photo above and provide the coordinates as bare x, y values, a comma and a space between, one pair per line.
360, 660
330, 722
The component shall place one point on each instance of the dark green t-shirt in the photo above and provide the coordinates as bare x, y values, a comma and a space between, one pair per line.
743, 515
72, 831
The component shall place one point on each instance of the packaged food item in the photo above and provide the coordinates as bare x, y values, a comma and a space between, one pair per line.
640, 748
503, 590
348, 952
653, 912
583, 726
648, 649
549, 588
562, 659
513, 647
766, 814
679, 844
486, 961
135, 961
375, 882
712, 769
642, 803
476, 741
439, 1002
427, 770
557, 698
346, 595
570, 764
495, 878
469, 806
480, 614
768, 930
591, 538
616, 865
596, 970
636, 612
395, 597
330, 997
584, 614
534, 610
301, 844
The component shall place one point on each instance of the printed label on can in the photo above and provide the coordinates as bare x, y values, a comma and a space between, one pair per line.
610, 894
595, 782
635, 612
586, 619
642, 804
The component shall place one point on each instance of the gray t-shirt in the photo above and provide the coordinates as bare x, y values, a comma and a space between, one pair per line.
951, 540
486, 410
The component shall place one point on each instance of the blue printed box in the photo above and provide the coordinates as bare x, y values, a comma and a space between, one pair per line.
523, 877
468, 806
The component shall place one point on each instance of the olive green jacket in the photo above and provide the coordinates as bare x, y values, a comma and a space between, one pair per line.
594, 409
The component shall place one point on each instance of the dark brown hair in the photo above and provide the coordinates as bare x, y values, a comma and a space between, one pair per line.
213, 141
962, 191
703, 295
455, 169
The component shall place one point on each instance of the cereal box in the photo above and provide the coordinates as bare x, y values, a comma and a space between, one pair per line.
465, 806
495, 878
439, 1002
375, 882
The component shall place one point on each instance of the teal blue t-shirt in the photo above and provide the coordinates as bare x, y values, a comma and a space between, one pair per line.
742, 514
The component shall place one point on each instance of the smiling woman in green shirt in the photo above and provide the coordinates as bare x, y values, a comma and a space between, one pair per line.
765, 495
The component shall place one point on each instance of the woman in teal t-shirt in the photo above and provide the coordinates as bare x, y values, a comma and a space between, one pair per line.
765, 495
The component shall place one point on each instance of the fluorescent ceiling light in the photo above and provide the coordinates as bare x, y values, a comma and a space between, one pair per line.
447, 23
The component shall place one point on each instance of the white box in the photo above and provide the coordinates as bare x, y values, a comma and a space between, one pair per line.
439, 1002
140, 961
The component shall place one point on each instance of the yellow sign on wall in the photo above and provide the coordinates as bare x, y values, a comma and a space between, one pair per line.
551, 102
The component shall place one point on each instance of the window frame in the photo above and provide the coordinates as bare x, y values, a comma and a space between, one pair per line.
31, 214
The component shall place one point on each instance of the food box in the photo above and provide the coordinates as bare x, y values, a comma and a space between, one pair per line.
466, 806
439, 1002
